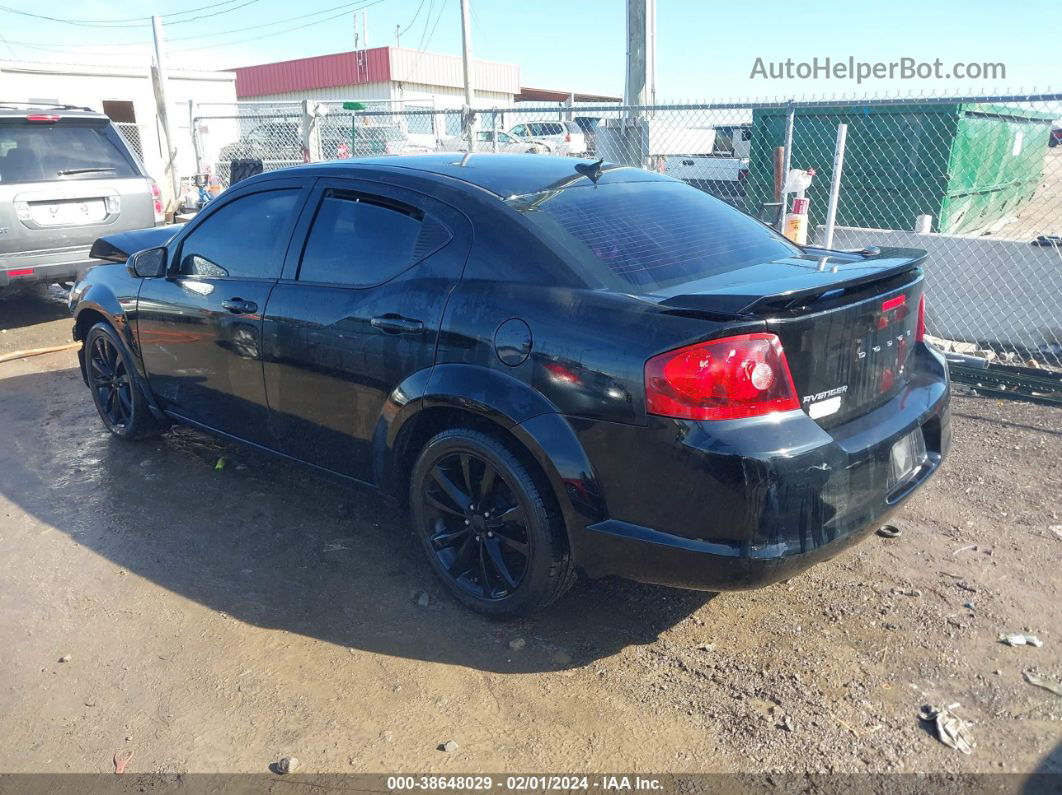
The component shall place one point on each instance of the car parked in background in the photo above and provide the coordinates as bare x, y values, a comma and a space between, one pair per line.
66, 178
553, 363
279, 144
562, 137
722, 170
1055, 138
506, 143
372, 140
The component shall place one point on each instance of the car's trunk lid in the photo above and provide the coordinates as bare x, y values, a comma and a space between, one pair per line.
847, 322
47, 215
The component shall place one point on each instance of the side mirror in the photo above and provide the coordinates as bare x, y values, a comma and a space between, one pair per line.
149, 263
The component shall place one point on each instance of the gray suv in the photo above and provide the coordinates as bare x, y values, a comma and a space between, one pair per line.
66, 178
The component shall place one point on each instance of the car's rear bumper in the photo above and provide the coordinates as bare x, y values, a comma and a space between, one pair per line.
52, 265
741, 504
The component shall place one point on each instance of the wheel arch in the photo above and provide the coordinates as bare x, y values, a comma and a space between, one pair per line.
97, 305
458, 395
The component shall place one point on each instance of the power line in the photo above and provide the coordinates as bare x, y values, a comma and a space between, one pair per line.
264, 24
81, 22
427, 21
133, 22
8, 45
215, 14
356, 5
276, 32
423, 46
193, 10
414, 20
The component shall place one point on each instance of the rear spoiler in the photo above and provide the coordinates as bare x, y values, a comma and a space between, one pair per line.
119, 246
744, 301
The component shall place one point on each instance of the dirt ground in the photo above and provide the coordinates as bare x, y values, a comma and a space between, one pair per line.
217, 619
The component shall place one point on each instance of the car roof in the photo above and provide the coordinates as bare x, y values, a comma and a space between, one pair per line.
20, 110
504, 175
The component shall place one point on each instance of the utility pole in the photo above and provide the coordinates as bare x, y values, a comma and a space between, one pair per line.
641, 21
637, 55
466, 59
650, 52
161, 101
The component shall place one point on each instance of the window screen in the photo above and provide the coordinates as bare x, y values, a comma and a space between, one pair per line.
650, 235
245, 239
358, 241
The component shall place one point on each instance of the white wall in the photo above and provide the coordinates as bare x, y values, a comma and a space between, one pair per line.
979, 289
442, 70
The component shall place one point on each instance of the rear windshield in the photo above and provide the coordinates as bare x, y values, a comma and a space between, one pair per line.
644, 236
42, 152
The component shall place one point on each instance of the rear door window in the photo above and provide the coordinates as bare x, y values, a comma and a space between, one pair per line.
360, 241
644, 236
63, 150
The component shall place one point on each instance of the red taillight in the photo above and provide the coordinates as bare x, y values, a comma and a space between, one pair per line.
920, 323
156, 198
20, 272
47, 118
725, 379
567, 138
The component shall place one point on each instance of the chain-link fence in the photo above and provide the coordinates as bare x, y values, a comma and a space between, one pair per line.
136, 136
975, 181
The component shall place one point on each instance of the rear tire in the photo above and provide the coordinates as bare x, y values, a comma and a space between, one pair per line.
491, 535
115, 390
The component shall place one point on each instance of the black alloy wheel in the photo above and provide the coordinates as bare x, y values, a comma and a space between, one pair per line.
490, 529
479, 529
110, 382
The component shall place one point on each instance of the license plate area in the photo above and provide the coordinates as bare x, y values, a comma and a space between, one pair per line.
76, 212
906, 458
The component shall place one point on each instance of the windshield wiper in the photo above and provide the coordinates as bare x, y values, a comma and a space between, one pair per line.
64, 171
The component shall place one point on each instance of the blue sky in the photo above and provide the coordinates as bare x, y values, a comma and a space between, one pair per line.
705, 50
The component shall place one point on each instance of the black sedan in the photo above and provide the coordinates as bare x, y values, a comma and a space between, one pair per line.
555, 363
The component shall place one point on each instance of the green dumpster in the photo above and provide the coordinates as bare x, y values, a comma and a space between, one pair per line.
967, 165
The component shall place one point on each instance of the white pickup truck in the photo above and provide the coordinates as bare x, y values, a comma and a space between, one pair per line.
720, 171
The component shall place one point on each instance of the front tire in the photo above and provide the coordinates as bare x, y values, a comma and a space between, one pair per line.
115, 391
490, 533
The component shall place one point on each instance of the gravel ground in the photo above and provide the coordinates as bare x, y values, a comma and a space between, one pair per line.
219, 619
